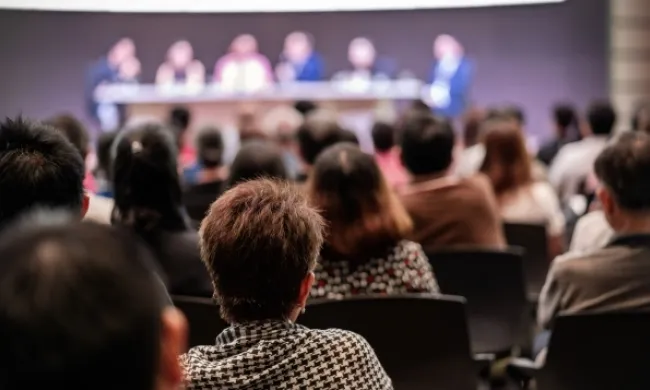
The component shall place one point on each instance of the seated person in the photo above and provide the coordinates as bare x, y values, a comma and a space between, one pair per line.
180, 120
614, 278
574, 162
181, 67
148, 201
104, 162
244, 69
565, 120
210, 175
520, 198
299, 61
387, 154
260, 242
366, 67
82, 308
40, 169
365, 248
256, 159
447, 211
592, 231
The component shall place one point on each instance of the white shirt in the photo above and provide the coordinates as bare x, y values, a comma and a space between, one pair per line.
573, 163
536, 203
99, 209
470, 160
592, 231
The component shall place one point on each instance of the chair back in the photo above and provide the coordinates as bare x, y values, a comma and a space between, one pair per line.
203, 318
598, 351
493, 283
534, 240
421, 341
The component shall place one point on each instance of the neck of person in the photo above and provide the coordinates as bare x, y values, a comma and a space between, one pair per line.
432, 176
634, 224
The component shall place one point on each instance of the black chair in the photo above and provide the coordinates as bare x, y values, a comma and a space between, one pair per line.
593, 352
422, 342
493, 284
203, 317
534, 240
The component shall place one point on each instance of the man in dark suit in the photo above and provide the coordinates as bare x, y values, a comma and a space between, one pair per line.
450, 78
299, 61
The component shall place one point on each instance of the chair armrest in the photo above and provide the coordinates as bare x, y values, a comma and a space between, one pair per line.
522, 369
483, 363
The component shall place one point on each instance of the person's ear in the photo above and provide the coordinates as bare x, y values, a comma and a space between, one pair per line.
173, 343
85, 204
606, 201
305, 289
585, 129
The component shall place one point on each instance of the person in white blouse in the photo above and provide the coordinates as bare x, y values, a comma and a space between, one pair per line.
521, 199
244, 69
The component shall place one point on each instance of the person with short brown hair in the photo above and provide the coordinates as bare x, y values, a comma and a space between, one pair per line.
365, 250
260, 241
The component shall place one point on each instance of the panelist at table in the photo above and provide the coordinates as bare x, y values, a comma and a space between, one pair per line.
181, 67
299, 61
243, 69
450, 78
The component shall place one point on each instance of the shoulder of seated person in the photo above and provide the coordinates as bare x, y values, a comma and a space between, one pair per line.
340, 335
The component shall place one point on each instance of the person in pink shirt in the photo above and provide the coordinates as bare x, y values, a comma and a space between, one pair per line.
387, 154
244, 69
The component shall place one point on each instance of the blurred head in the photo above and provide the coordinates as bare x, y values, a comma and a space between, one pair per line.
209, 147
121, 51
298, 46
39, 168
180, 54
318, 132
305, 106
508, 112
427, 144
73, 130
362, 213
565, 117
623, 169
244, 44
260, 241
641, 117
148, 195
383, 136
179, 121
281, 123
446, 46
472, 121
361, 53
104, 149
257, 159
601, 118
506, 161
80, 303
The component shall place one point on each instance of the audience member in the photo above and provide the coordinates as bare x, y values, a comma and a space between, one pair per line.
446, 210
281, 125
614, 278
520, 198
82, 308
317, 133
148, 200
103, 171
257, 159
39, 168
180, 120
472, 122
387, 154
641, 117
574, 162
592, 231
305, 107
99, 208
365, 248
564, 119
260, 242
210, 176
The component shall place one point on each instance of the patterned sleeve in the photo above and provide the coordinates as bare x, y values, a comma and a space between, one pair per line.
419, 276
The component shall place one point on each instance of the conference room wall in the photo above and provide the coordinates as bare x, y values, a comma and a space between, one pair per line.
529, 54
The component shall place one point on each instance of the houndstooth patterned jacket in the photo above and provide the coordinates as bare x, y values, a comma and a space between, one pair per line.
282, 355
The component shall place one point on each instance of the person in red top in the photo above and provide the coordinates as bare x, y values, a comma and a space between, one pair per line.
387, 155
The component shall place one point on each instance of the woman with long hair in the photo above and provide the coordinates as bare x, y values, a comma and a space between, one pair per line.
509, 167
148, 200
365, 249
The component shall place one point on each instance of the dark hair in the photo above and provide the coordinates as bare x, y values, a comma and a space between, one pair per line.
78, 304
180, 117
317, 134
363, 214
148, 195
601, 117
210, 147
349, 136
472, 121
257, 159
104, 152
510, 111
259, 241
383, 136
624, 168
73, 130
38, 168
427, 144
304, 107
506, 163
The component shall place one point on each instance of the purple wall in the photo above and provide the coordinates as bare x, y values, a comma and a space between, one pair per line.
533, 55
